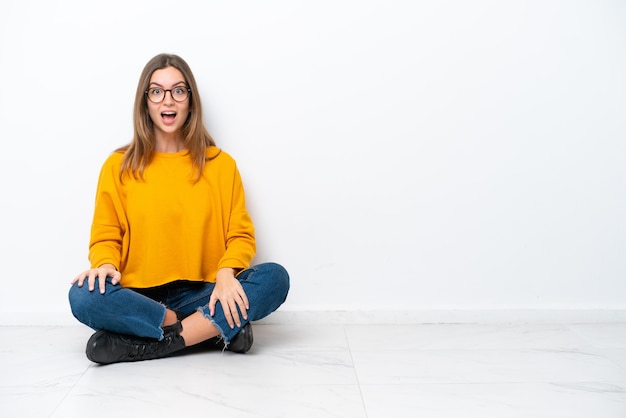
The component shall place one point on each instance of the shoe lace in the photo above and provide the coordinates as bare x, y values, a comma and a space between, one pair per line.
150, 348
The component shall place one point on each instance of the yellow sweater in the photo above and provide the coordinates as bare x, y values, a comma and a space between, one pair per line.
165, 227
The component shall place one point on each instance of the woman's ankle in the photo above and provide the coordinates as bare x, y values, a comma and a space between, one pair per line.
170, 318
197, 328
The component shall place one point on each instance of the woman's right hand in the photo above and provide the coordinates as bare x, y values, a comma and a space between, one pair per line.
102, 272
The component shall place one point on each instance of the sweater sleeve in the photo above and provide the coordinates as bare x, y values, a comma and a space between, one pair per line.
240, 239
108, 226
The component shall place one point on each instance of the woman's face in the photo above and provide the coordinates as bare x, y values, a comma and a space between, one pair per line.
169, 115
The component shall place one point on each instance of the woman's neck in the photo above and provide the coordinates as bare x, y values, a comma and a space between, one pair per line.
168, 144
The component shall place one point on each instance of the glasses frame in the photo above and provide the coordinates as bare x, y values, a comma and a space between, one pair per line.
171, 94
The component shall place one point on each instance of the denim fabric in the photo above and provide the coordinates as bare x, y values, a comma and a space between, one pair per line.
141, 312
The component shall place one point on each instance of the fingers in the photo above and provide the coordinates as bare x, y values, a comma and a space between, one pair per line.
115, 277
228, 313
242, 303
91, 280
101, 274
102, 281
226, 308
232, 307
79, 279
212, 302
246, 304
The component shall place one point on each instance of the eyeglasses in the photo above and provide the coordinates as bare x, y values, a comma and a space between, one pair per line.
157, 94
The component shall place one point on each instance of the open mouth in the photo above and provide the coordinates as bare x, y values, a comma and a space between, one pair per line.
168, 117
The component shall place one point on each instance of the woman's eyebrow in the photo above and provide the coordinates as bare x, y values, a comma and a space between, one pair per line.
153, 83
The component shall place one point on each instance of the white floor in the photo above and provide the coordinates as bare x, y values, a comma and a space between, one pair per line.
503, 371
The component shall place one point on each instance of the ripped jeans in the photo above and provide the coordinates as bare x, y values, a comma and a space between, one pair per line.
140, 312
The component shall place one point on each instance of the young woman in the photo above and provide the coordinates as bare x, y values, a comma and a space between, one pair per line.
171, 239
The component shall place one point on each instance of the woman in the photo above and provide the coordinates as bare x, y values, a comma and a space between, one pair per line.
171, 239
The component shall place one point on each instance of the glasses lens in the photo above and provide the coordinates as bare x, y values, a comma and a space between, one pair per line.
179, 94
156, 95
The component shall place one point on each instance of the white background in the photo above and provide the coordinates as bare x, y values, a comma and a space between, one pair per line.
396, 155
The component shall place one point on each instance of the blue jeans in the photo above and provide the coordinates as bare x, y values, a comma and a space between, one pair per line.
140, 312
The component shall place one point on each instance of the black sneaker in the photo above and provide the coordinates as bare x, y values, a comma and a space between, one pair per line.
106, 347
242, 342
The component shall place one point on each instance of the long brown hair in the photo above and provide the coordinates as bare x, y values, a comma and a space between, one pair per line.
196, 138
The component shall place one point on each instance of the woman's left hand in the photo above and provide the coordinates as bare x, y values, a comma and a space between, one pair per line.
229, 292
